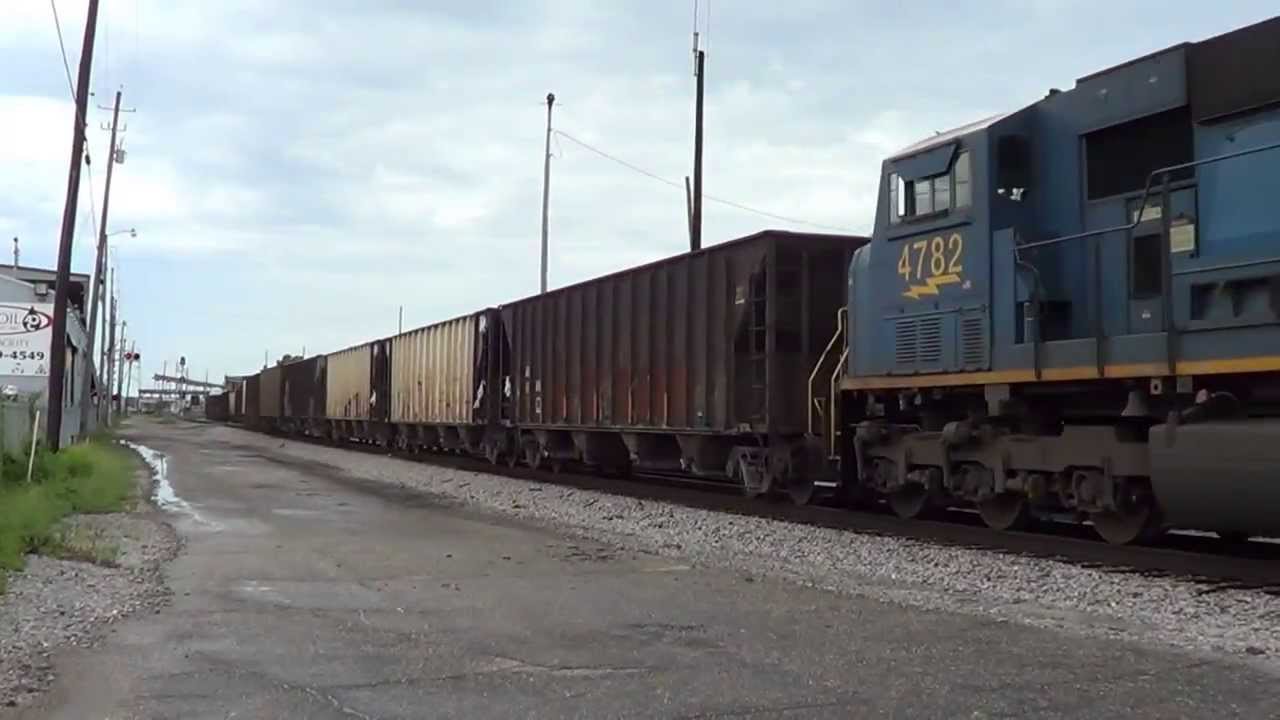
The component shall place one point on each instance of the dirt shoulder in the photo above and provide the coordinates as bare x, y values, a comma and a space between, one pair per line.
102, 568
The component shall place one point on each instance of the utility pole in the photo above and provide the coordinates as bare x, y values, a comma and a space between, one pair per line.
110, 361
546, 189
688, 211
695, 235
58, 350
124, 399
124, 326
100, 267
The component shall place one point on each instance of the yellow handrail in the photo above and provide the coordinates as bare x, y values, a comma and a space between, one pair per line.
841, 316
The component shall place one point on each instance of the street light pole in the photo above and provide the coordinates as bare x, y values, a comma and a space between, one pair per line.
546, 189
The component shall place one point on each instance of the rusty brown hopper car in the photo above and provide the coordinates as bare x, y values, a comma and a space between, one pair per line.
303, 394
217, 408
269, 386
675, 363
251, 406
234, 390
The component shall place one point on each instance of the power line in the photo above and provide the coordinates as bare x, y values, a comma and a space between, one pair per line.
680, 187
66, 65
618, 160
62, 46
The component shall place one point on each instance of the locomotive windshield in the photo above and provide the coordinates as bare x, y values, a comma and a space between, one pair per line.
933, 194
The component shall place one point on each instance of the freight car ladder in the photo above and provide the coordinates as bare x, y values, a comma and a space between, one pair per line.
758, 339
822, 400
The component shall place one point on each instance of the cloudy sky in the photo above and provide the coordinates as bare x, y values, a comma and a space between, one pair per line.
299, 169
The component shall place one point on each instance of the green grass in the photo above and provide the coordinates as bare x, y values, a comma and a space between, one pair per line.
92, 477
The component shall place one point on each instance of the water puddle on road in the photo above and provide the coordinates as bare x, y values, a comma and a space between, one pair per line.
163, 494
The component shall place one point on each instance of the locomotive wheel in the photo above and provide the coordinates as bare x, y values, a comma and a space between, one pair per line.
802, 491
1134, 525
910, 502
1006, 511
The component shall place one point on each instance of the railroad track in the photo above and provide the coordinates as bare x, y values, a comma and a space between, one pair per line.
1214, 564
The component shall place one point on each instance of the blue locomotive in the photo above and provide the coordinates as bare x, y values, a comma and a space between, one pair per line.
1074, 308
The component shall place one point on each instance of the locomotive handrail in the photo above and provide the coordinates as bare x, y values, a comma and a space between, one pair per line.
1146, 193
841, 316
834, 391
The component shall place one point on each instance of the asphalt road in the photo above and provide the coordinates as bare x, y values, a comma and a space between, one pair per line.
303, 592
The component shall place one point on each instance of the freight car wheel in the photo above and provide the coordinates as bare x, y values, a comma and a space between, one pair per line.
910, 502
532, 455
492, 453
1006, 511
1233, 537
513, 459
753, 480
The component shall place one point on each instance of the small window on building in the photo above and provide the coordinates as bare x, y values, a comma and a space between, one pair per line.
963, 187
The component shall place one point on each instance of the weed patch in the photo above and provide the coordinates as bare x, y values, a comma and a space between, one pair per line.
93, 477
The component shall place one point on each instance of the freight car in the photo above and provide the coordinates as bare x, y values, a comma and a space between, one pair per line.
427, 388
302, 395
233, 388
690, 363
1072, 308
217, 408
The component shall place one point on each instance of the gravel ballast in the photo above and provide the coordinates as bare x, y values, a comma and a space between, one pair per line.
1239, 623
54, 603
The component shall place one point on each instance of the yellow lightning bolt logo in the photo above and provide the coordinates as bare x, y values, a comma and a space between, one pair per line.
931, 285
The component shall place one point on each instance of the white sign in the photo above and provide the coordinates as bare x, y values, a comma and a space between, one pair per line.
26, 332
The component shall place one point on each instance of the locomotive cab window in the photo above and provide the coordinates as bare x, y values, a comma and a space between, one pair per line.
939, 193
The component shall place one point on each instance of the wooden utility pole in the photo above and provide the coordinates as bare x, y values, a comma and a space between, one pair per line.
110, 362
688, 210
124, 399
546, 189
124, 326
98, 272
58, 351
695, 236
